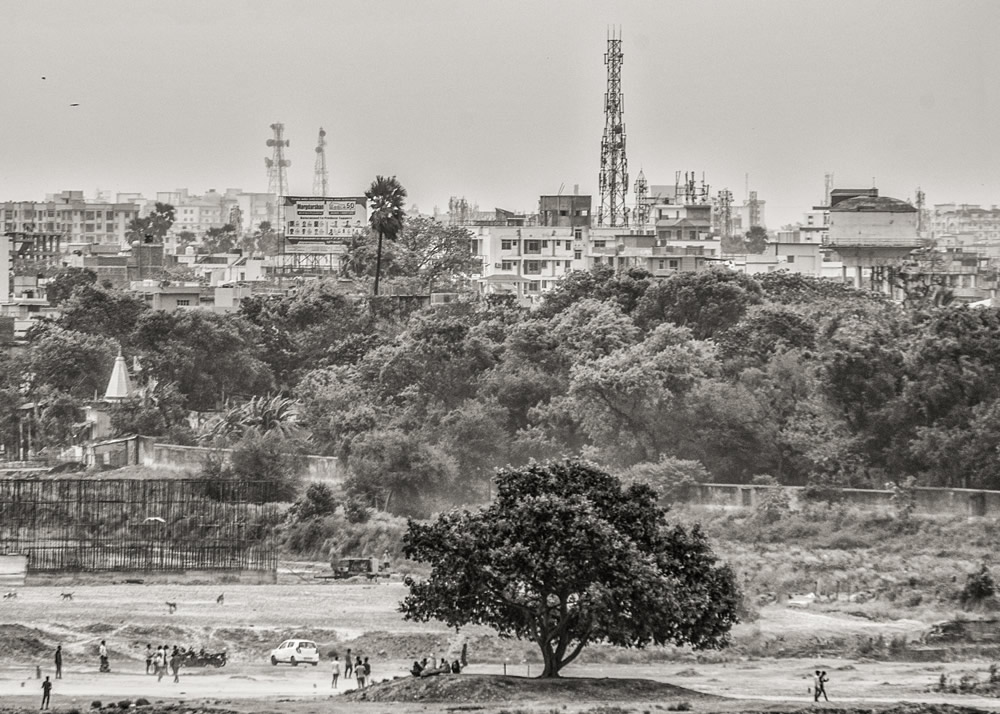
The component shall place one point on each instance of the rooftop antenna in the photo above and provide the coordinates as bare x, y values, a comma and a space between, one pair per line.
613, 180
321, 177
277, 182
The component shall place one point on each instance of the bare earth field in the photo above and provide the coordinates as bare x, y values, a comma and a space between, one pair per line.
255, 618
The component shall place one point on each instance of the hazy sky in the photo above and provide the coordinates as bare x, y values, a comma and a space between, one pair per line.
500, 100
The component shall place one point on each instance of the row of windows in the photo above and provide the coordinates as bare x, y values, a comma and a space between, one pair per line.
534, 246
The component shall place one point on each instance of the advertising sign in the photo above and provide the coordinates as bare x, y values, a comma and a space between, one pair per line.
322, 220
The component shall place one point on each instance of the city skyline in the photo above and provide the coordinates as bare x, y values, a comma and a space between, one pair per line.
502, 102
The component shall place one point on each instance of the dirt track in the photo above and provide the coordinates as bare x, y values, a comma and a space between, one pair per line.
255, 618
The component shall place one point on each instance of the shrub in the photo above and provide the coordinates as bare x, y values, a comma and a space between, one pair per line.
263, 458
978, 587
318, 500
671, 478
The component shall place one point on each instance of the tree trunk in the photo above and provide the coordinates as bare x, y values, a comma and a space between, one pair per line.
551, 666
378, 262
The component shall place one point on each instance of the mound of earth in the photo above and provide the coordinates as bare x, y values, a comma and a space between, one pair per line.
18, 641
478, 688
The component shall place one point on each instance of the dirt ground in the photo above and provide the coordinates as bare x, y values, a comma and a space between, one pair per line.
255, 618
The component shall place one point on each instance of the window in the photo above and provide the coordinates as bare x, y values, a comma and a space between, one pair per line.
791, 258
577, 254
506, 245
88, 228
598, 243
563, 213
597, 260
583, 214
90, 215
183, 303
531, 267
532, 246
673, 264
544, 264
533, 286
507, 265
577, 234
545, 285
569, 245
545, 244
662, 264
568, 264
692, 235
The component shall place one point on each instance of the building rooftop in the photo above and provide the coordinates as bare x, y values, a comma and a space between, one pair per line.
880, 204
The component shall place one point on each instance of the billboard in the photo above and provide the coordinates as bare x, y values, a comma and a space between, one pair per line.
323, 221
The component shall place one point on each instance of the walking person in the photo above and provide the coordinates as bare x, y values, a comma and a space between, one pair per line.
58, 659
823, 679
348, 666
46, 693
336, 671
149, 657
102, 652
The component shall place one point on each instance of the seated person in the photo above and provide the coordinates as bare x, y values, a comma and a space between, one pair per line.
416, 669
456, 668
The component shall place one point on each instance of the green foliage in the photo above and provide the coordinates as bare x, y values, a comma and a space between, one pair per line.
979, 586
755, 240
707, 302
154, 227
263, 458
565, 556
671, 478
318, 500
61, 286
104, 312
220, 240
156, 410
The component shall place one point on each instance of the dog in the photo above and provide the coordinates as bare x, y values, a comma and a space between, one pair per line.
65, 596
221, 599
10, 596
171, 607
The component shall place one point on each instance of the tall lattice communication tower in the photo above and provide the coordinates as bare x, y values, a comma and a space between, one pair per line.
614, 164
321, 177
724, 209
641, 189
277, 181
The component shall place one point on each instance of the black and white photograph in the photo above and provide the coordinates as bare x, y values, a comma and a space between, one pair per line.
500, 356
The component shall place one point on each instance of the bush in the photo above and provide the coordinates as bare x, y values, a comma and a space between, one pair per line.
336, 536
979, 586
318, 500
671, 478
263, 458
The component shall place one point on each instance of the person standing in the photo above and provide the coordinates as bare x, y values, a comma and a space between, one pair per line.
359, 673
46, 693
149, 657
348, 665
368, 672
175, 664
58, 661
102, 652
160, 663
336, 671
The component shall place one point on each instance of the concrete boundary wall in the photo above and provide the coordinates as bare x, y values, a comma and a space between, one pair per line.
927, 501
191, 458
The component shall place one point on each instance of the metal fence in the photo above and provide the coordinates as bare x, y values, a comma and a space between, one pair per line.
67, 525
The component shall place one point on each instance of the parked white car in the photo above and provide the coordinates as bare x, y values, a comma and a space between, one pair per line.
295, 651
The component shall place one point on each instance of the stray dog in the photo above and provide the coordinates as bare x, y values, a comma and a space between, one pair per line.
10, 596
171, 607
65, 596
221, 599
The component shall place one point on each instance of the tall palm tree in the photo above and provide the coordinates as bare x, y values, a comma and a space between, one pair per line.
386, 197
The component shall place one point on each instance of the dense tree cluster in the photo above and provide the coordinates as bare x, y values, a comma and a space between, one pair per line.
801, 379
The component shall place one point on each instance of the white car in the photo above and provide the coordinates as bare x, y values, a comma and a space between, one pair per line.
295, 651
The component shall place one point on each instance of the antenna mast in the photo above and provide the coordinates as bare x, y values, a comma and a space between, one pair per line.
614, 164
277, 183
321, 178
641, 190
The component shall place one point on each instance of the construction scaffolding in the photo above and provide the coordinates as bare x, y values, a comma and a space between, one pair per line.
73, 525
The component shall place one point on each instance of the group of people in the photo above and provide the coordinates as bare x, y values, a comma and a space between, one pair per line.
161, 663
819, 685
359, 670
429, 666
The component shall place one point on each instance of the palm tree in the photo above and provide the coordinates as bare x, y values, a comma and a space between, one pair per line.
386, 196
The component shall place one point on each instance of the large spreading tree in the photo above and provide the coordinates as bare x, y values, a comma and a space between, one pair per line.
565, 556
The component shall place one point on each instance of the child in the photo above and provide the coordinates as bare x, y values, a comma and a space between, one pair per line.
46, 691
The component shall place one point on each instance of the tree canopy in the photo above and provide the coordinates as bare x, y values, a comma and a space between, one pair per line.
566, 556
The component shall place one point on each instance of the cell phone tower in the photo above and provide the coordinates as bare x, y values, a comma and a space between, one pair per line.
277, 182
641, 211
614, 164
321, 178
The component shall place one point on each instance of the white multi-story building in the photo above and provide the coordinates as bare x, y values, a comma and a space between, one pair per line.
71, 215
